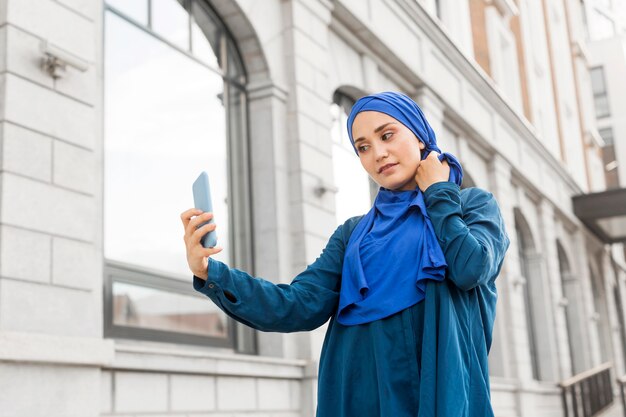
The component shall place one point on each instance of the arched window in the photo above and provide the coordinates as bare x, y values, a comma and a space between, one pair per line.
601, 314
174, 105
356, 190
569, 285
526, 250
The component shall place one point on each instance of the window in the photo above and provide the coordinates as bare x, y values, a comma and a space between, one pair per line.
356, 191
601, 314
598, 84
503, 57
438, 9
455, 17
174, 106
607, 135
528, 266
609, 159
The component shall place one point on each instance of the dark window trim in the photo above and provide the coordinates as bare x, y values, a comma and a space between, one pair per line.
131, 274
239, 80
242, 339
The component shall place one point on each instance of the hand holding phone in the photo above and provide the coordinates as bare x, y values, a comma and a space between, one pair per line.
202, 201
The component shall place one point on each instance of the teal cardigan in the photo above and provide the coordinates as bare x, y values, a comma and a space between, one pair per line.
429, 360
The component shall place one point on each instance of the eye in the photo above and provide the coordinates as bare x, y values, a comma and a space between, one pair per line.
386, 135
361, 148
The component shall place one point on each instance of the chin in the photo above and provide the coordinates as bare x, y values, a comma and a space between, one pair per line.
397, 185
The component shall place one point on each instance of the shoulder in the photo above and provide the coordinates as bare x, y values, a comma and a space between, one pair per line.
345, 229
475, 198
473, 193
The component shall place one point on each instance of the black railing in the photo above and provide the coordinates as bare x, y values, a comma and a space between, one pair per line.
588, 393
622, 383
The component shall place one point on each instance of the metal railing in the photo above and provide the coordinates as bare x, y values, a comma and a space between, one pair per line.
622, 384
588, 393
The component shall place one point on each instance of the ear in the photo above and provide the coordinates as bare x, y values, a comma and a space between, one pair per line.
421, 144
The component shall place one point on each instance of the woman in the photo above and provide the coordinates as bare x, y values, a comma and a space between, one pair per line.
409, 288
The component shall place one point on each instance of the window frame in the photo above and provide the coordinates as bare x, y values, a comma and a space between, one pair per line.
502, 49
345, 101
115, 271
601, 94
240, 338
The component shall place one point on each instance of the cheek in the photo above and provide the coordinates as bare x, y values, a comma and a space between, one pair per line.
368, 165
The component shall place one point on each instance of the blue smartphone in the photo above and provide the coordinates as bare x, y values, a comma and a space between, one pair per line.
202, 201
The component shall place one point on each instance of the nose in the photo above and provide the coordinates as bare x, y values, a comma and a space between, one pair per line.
380, 151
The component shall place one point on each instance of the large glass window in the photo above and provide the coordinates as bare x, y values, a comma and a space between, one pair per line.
169, 113
356, 191
598, 84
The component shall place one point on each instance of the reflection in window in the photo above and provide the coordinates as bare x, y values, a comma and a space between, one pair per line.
353, 197
136, 306
165, 123
168, 99
134, 9
171, 21
192, 28
204, 33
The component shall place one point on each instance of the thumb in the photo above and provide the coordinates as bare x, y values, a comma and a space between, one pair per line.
433, 155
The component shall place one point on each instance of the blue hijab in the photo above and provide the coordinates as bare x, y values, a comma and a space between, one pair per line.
393, 249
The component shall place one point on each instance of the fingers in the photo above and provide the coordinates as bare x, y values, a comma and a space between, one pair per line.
197, 235
192, 223
212, 251
186, 215
433, 155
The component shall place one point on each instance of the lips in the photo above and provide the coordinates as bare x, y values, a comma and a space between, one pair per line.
385, 167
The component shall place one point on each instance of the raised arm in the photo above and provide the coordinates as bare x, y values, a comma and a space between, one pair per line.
305, 304
470, 230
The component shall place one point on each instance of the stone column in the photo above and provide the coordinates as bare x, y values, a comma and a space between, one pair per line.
510, 333
309, 165
51, 317
267, 106
502, 355
432, 106
556, 347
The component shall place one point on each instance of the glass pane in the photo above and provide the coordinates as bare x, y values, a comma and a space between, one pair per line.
150, 308
607, 135
164, 124
615, 226
135, 9
597, 80
351, 179
602, 106
171, 20
205, 35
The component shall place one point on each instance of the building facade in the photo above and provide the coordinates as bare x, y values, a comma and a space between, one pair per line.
110, 109
607, 50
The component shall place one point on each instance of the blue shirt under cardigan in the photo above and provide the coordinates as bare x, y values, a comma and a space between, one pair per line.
429, 360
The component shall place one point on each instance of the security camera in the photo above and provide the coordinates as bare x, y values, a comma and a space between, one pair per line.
56, 60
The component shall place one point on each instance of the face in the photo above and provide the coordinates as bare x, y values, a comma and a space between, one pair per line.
381, 140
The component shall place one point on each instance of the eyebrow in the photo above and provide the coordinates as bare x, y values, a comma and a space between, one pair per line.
378, 129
